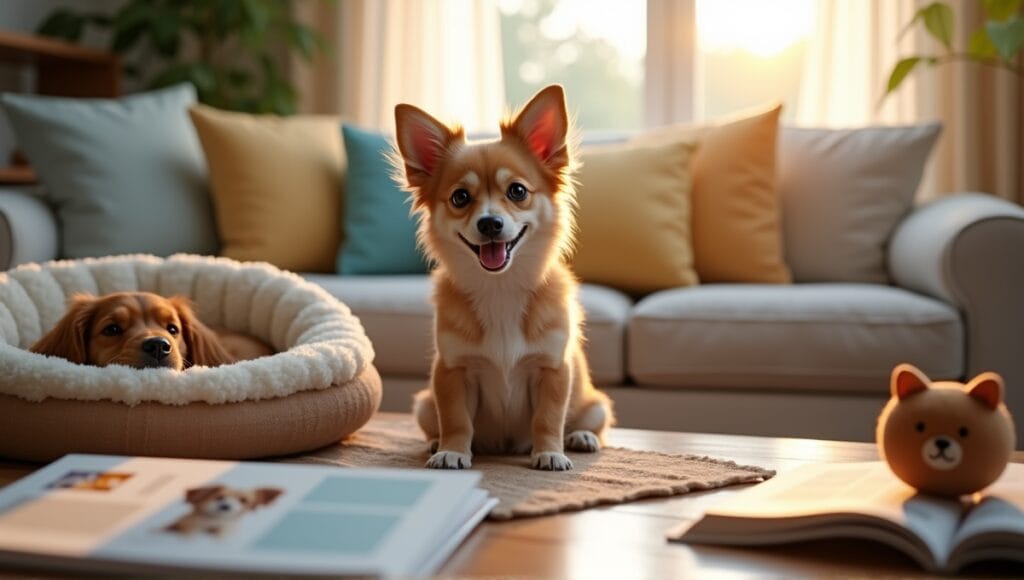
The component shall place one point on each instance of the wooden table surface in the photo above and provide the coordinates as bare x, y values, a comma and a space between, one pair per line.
628, 540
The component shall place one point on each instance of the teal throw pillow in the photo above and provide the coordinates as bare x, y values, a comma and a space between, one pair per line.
124, 175
379, 233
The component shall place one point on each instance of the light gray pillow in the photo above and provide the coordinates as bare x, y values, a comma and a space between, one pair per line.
843, 192
124, 175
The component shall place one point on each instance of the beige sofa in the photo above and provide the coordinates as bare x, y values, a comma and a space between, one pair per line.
802, 360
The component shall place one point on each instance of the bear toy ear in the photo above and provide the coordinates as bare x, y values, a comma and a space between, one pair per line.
907, 380
987, 389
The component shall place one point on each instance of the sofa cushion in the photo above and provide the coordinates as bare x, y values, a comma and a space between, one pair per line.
379, 232
843, 193
276, 186
734, 201
398, 317
124, 175
844, 337
639, 242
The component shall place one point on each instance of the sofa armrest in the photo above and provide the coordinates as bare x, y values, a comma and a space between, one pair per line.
28, 229
968, 250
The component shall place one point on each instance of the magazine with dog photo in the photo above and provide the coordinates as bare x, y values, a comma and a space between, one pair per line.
866, 501
106, 513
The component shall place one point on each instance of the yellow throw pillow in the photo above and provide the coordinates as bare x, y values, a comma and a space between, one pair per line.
634, 217
737, 235
276, 184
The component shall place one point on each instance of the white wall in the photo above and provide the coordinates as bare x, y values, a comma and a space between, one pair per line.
24, 16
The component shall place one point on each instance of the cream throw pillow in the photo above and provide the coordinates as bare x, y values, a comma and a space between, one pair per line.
736, 218
634, 217
276, 185
843, 192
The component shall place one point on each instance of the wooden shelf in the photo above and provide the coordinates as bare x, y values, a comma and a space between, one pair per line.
62, 69
15, 47
17, 175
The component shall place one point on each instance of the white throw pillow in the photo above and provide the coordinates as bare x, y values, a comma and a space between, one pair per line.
843, 193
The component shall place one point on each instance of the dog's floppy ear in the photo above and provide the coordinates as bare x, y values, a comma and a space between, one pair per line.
422, 142
266, 495
198, 495
202, 345
543, 126
69, 338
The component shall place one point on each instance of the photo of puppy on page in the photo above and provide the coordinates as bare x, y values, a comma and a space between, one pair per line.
143, 330
217, 509
509, 374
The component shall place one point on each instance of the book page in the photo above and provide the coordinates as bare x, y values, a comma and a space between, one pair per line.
251, 517
999, 508
866, 489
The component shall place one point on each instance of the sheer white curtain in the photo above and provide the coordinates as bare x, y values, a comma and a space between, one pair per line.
849, 58
444, 56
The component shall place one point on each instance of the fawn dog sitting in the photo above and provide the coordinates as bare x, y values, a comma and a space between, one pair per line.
509, 374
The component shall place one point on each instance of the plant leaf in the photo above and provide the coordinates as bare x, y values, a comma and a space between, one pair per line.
1001, 10
938, 19
899, 72
980, 46
63, 24
130, 23
166, 31
305, 39
1007, 37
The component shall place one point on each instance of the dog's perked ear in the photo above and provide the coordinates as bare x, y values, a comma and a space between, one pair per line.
543, 126
266, 495
202, 346
70, 337
422, 141
198, 495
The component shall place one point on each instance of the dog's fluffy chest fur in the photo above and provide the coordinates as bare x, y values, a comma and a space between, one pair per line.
504, 356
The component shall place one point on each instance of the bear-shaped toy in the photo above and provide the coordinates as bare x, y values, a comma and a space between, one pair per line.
945, 438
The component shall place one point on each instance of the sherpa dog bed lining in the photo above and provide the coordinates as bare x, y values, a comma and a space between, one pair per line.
318, 388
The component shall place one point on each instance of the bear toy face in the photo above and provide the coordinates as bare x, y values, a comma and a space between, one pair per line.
945, 438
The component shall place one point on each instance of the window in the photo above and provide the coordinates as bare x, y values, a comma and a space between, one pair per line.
595, 48
726, 55
750, 52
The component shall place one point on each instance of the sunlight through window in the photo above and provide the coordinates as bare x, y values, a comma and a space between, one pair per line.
595, 48
749, 53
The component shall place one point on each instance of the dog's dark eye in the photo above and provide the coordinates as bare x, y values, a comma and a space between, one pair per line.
460, 198
516, 191
112, 330
964, 432
919, 427
173, 329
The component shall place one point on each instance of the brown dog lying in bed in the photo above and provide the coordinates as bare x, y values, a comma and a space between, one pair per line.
142, 330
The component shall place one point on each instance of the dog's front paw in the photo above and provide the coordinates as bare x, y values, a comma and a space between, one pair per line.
551, 461
584, 441
449, 460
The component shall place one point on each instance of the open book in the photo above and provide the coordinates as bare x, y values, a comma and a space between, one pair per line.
864, 500
121, 514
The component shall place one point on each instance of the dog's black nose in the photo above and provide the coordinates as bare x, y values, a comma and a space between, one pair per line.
157, 347
490, 226
942, 443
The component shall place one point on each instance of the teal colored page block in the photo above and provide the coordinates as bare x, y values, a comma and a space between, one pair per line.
368, 491
346, 533
380, 235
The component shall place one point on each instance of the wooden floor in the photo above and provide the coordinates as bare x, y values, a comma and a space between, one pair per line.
628, 540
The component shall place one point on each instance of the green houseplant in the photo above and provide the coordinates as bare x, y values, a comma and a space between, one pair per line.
998, 42
233, 51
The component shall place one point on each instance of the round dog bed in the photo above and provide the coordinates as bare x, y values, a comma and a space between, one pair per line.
318, 388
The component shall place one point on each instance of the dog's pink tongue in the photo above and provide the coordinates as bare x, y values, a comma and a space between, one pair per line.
492, 255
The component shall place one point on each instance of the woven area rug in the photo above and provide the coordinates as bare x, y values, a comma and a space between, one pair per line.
611, 476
